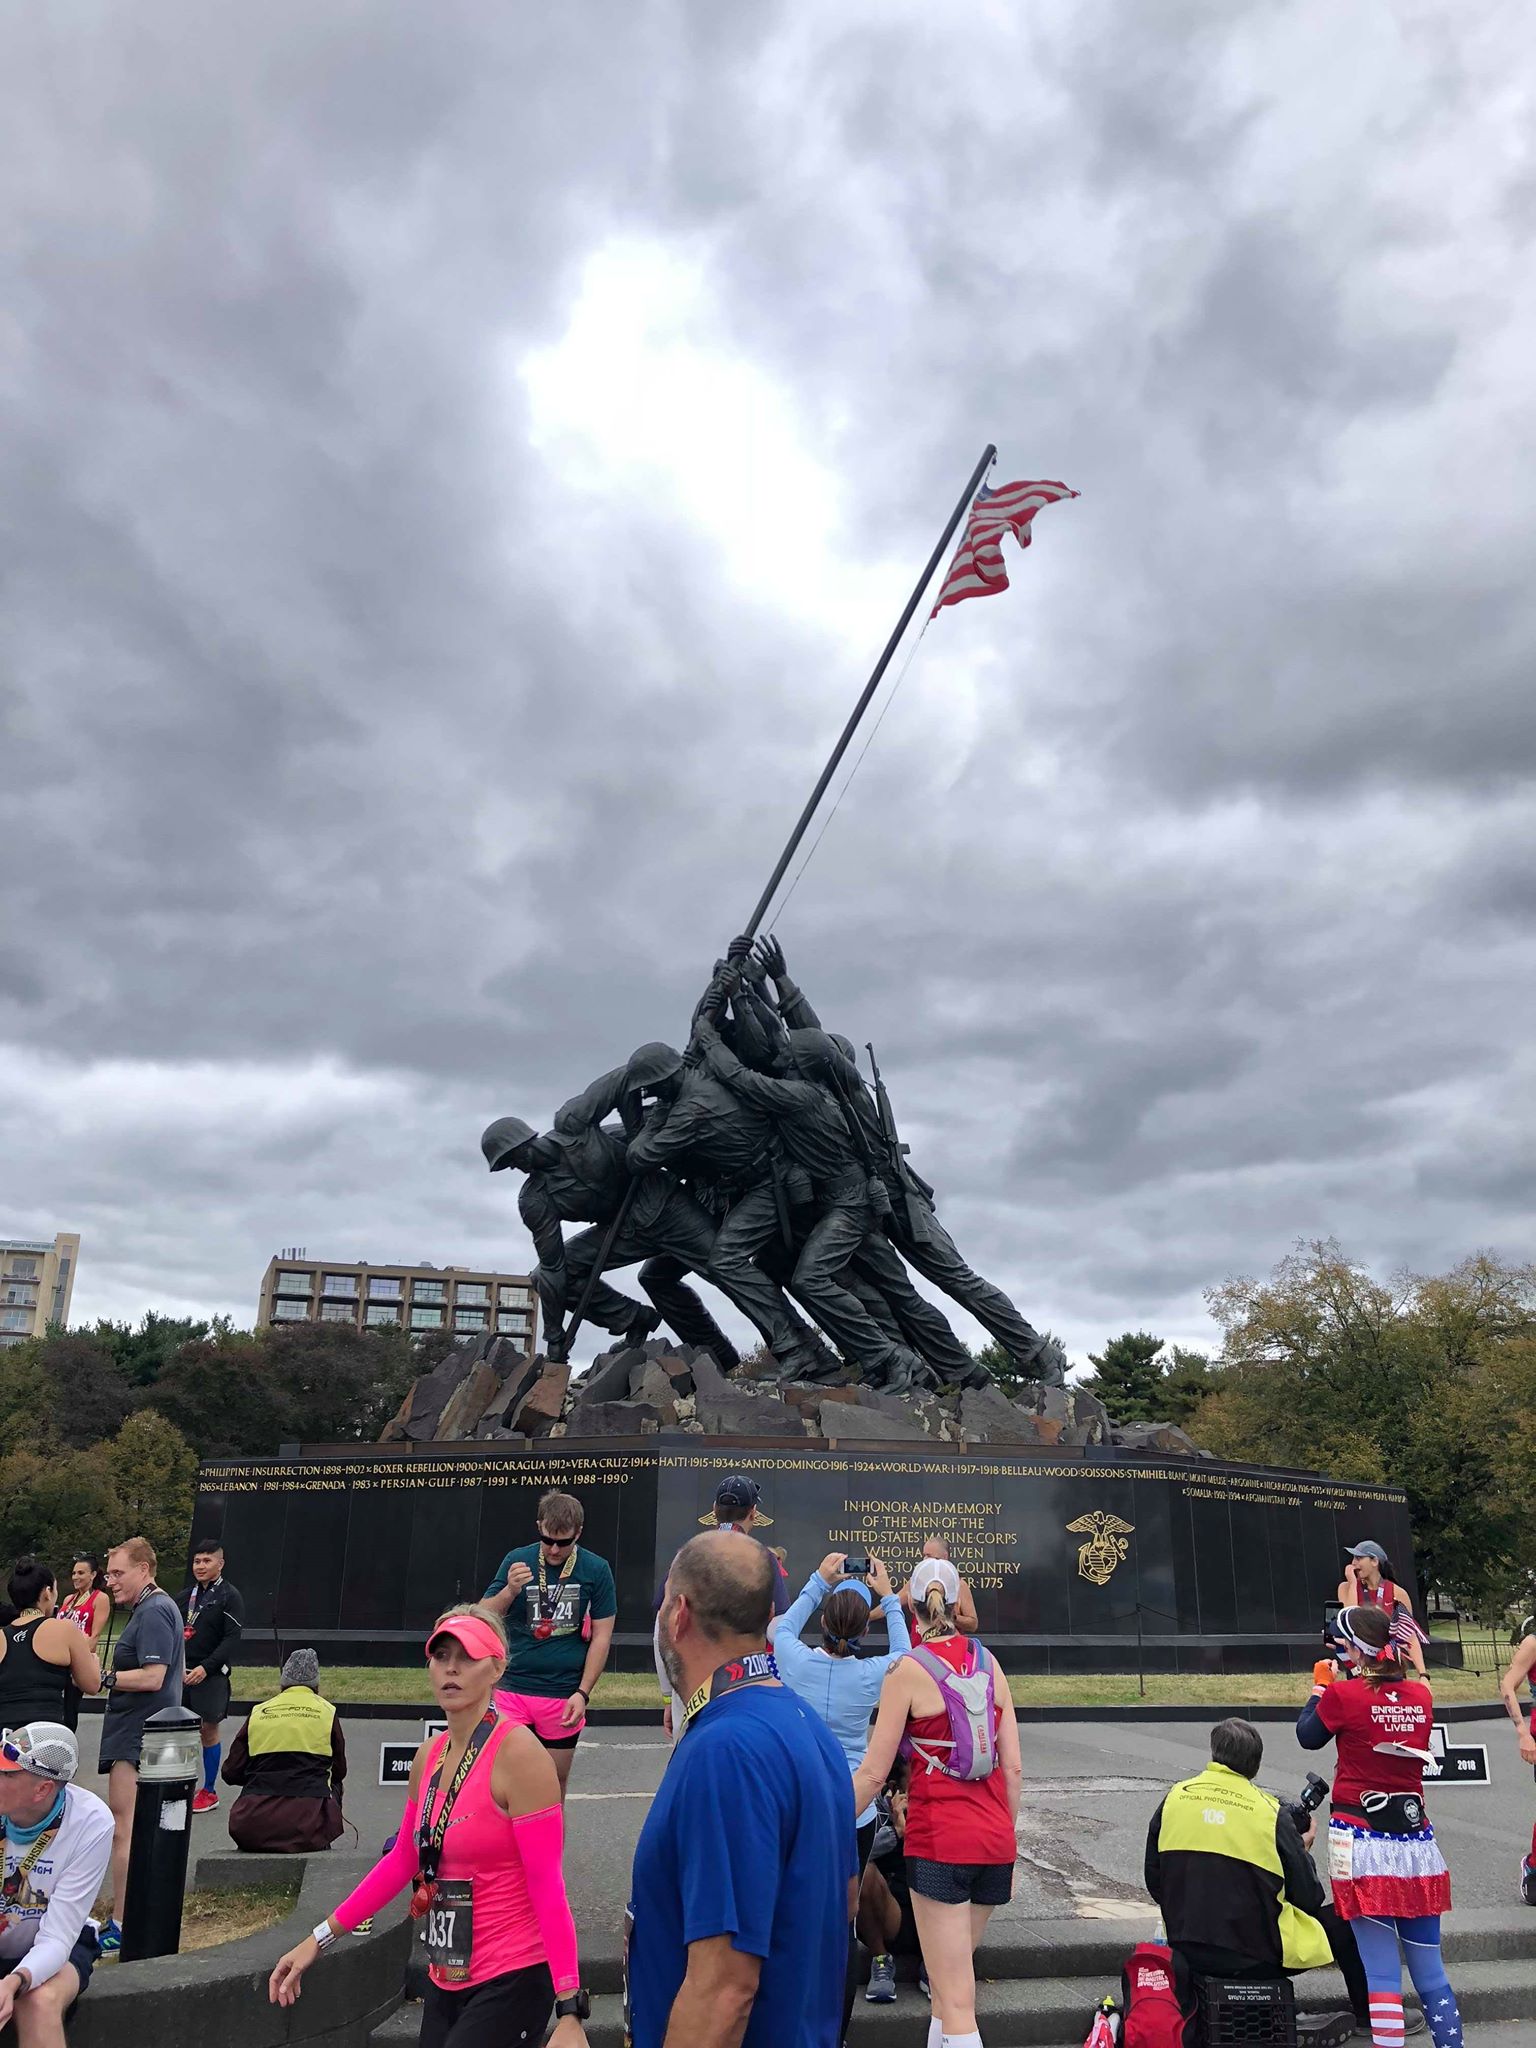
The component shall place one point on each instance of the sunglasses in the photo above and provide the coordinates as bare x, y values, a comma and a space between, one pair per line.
556, 1542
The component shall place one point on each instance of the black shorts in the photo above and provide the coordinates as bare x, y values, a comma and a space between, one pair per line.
893, 1868
84, 1956
210, 1700
961, 1884
503, 2012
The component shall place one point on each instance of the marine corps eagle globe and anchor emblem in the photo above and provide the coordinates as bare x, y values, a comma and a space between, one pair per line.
1106, 1547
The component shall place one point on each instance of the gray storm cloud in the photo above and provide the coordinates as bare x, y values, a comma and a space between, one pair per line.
382, 750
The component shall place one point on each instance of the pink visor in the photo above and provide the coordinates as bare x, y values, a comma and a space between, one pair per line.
477, 1636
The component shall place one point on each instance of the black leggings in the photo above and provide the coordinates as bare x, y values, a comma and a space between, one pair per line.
866, 1840
504, 2012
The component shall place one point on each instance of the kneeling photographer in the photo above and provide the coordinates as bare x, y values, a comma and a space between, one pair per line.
1230, 1867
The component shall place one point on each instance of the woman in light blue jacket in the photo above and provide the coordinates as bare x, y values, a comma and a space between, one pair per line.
842, 1688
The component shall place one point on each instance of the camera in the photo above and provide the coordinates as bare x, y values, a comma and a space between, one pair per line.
1313, 1793
856, 1565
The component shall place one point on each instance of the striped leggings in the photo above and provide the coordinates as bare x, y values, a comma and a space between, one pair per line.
1378, 1942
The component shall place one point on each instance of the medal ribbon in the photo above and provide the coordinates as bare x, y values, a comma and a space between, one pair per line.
756, 1668
429, 1842
546, 1605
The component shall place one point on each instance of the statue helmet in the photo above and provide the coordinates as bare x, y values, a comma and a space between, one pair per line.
845, 1047
815, 1052
498, 1141
650, 1064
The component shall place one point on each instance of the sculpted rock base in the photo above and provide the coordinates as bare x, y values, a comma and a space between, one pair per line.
486, 1391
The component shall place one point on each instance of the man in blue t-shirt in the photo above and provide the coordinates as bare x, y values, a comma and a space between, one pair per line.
743, 1885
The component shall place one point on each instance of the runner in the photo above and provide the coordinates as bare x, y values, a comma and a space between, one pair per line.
1369, 1581
490, 1886
1521, 1667
58, 1844
558, 1605
214, 1617
1389, 1877
947, 1706
88, 1603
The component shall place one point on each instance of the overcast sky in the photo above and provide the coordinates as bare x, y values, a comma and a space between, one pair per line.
462, 461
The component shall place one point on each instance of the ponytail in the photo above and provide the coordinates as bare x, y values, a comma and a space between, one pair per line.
936, 1619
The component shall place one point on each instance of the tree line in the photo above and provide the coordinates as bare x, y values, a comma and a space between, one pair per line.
1427, 1382
101, 1430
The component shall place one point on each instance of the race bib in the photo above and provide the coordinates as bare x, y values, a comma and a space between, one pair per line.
1341, 1854
448, 1928
559, 1614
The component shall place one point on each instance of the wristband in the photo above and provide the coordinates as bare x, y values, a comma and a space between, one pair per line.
585, 1694
324, 1935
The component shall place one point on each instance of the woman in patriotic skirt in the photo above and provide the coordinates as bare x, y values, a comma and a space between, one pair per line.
1389, 1877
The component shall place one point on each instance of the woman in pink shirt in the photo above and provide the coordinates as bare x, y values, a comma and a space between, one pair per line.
490, 1888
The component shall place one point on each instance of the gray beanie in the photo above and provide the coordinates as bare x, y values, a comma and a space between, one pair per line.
302, 1668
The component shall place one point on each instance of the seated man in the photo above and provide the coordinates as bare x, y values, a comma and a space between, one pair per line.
1234, 1879
58, 1846
290, 1760
886, 1925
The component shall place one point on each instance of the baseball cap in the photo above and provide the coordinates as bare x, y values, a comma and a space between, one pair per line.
935, 1571
43, 1749
737, 1492
1368, 1550
476, 1635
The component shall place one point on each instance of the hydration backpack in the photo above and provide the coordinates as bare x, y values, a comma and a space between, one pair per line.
971, 1751
1149, 1995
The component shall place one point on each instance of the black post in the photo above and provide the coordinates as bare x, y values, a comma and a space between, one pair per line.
567, 1338
1141, 1667
162, 1832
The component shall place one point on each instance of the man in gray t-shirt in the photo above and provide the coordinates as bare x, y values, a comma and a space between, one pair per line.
147, 1667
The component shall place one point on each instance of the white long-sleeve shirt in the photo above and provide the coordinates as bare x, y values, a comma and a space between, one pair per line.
43, 1924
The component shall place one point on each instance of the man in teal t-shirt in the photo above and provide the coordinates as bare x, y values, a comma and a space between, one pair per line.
559, 1606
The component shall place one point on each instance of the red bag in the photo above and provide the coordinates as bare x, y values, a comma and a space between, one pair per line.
1155, 2016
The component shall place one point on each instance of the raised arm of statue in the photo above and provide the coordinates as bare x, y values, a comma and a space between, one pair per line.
593, 1103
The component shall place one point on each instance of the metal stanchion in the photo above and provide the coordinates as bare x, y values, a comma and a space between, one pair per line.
169, 1764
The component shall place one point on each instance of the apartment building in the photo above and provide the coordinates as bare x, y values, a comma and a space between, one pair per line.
37, 1282
298, 1289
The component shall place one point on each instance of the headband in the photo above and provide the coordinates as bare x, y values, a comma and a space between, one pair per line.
1387, 1652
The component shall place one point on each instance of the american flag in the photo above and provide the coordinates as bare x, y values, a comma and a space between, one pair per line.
977, 569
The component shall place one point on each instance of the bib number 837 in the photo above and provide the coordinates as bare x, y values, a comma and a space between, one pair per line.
440, 1927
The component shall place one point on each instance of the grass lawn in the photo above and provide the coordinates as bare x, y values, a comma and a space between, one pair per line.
208, 1918
408, 1683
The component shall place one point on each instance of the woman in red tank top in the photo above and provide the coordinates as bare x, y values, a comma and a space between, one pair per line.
1369, 1581
88, 1603
960, 1841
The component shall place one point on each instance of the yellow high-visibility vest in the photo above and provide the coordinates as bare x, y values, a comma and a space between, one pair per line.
1222, 1813
296, 1719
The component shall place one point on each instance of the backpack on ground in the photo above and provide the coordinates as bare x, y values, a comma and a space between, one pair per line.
971, 1750
1154, 2013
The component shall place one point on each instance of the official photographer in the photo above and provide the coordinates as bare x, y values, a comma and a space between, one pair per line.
1230, 1867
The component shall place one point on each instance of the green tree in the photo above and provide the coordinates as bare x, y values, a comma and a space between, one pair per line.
25, 1396
1129, 1379
1415, 1382
336, 1384
152, 1469
219, 1395
89, 1394
1188, 1377
142, 1353
56, 1502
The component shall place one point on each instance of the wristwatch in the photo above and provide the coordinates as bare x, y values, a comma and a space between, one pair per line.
577, 2007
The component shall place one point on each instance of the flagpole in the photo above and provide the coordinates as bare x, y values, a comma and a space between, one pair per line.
565, 1338
989, 456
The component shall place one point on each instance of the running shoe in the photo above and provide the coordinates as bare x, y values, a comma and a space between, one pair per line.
881, 1989
1528, 1882
922, 1982
205, 1800
111, 1939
